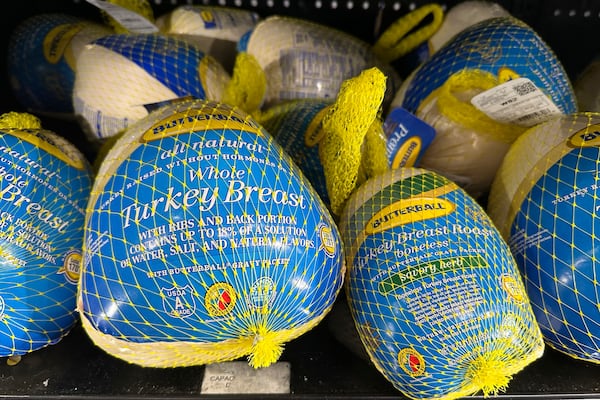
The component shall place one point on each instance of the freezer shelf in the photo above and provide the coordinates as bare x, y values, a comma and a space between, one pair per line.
321, 368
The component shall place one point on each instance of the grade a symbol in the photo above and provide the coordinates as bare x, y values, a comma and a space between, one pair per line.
179, 302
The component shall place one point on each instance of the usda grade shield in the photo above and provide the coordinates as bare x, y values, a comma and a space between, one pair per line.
433, 289
203, 239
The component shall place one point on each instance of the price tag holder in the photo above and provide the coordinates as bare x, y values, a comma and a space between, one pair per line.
237, 377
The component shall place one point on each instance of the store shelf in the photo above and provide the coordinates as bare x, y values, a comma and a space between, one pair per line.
321, 368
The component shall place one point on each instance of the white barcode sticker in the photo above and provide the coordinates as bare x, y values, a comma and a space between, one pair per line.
130, 20
517, 101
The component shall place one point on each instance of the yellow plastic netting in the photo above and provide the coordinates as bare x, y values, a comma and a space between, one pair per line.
346, 124
401, 37
19, 120
466, 114
247, 86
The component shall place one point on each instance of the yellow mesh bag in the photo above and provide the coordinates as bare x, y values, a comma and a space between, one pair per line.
345, 125
247, 86
204, 243
469, 146
401, 37
433, 289
45, 186
544, 200
19, 120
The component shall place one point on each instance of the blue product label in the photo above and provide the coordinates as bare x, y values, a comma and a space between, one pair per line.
297, 128
554, 242
41, 72
205, 228
505, 47
174, 63
433, 286
43, 196
407, 138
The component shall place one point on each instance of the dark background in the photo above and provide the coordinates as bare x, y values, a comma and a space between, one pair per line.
323, 363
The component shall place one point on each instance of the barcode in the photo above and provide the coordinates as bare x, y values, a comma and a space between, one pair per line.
524, 88
536, 114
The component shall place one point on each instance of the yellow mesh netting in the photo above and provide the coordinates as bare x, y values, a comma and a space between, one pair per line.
247, 86
346, 125
19, 121
394, 42
375, 159
464, 113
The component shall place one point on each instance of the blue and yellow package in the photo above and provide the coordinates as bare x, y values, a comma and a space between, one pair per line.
544, 201
42, 55
44, 186
204, 242
433, 288
507, 48
119, 75
480, 91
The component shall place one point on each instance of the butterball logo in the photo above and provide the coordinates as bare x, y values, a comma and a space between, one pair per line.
407, 211
587, 137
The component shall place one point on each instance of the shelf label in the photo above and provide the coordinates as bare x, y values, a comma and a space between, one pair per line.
237, 377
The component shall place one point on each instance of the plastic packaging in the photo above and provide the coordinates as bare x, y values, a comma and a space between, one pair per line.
204, 243
121, 77
433, 289
544, 201
519, 79
303, 59
44, 187
42, 55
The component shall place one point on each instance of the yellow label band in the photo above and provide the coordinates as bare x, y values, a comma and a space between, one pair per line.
58, 39
32, 137
186, 122
408, 153
408, 211
586, 137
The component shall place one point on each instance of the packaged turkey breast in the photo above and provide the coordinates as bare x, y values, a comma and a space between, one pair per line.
121, 77
42, 55
304, 59
544, 201
480, 91
215, 29
204, 242
45, 183
433, 289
